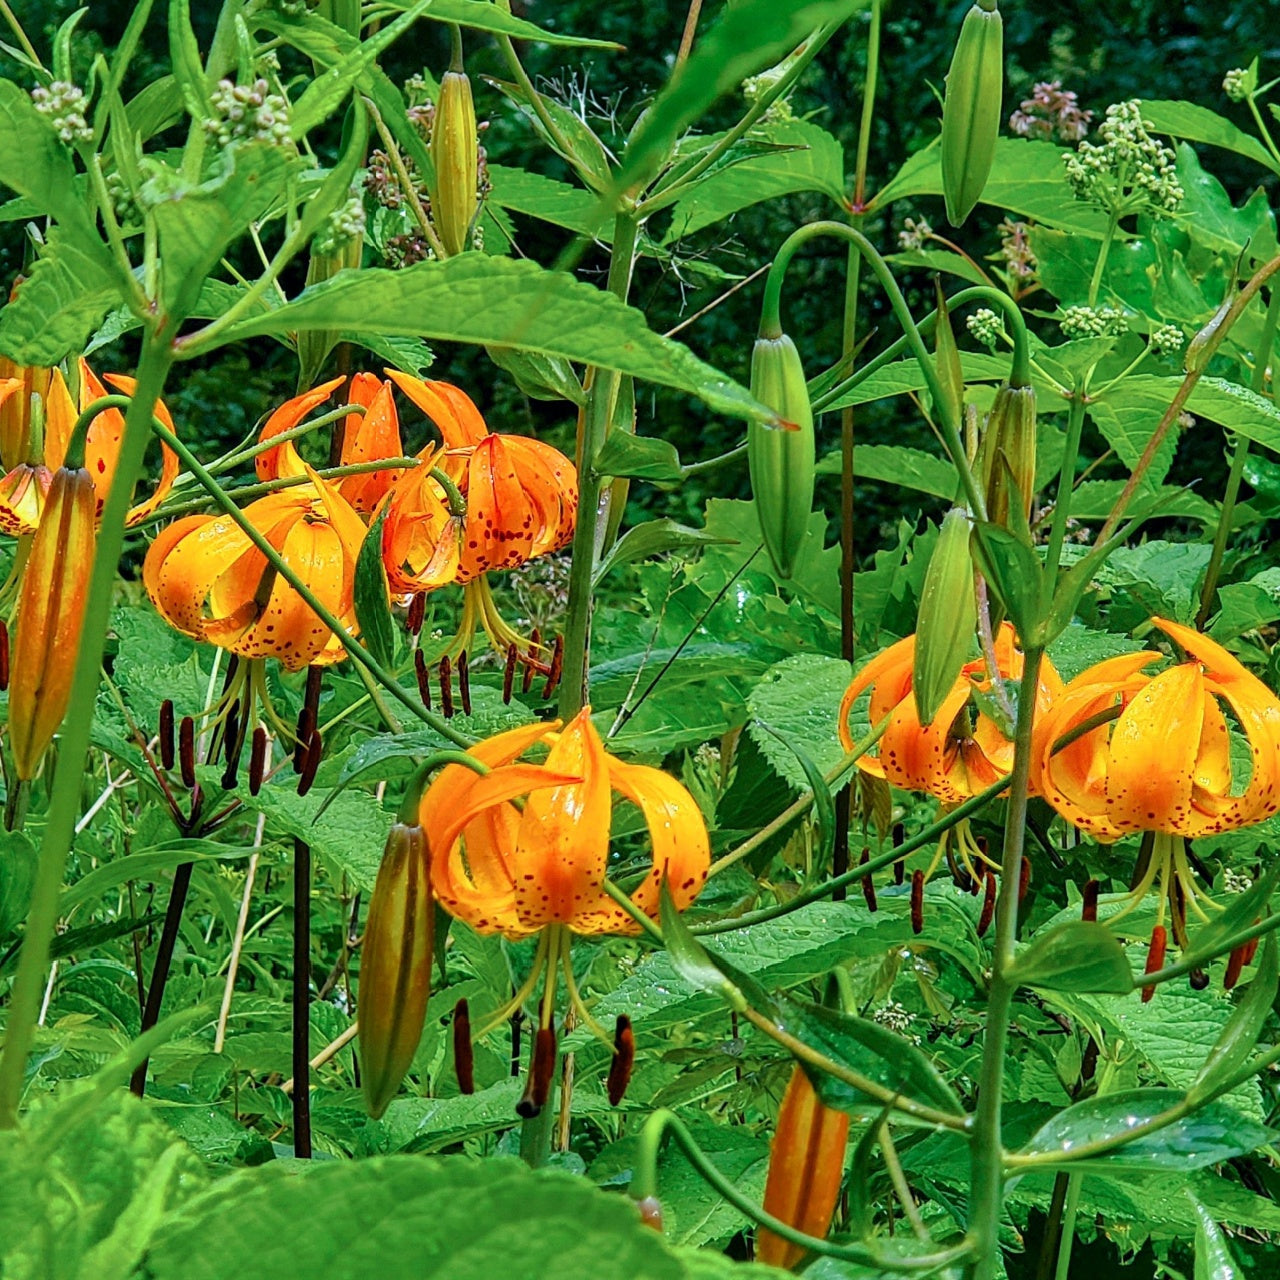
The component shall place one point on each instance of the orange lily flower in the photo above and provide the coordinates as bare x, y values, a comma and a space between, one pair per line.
504, 870
1165, 764
26, 482
208, 580
806, 1168
963, 751
366, 437
49, 617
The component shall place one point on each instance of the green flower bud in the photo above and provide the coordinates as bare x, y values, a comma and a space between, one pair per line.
455, 155
948, 616
781, 460
1007, 455
971, 109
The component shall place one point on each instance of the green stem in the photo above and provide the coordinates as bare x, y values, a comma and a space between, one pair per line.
1263, 131
360, 655
64, 794
644, 1184
595, 427
1100, 263
1066, 486
235, 459
1068, 1237
1240, 454
986, 1179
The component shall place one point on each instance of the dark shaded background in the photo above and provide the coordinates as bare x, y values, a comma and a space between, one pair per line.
1105, 51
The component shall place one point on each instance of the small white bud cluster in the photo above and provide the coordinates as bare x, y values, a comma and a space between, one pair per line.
986, 327
344, 224
63, 104
1235, 84
914, 234
895, 1018
1235, 881
249, 113
1167, 338
1092, 322
1129, 171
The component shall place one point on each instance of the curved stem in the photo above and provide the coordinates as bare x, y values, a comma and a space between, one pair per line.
1066, 487
644, 1184
64, 795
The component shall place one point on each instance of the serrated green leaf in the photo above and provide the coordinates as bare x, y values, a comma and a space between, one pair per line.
900, 465
1080, 955
653, 538
798, 698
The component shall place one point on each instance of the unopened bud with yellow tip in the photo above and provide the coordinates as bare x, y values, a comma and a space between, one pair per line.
948, 616
455, 157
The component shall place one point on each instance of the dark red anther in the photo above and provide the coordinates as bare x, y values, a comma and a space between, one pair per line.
424, 678
4, 655
417, 613
311, 762
1198, 979
464, 1059
168, 740
899, 834
257, 760
1089, 906
988, 903
624, 1058
899, 871
306, 727
187, 750
231, 742
446, 687
917, 901
509, 671
1250, 949
557, 667
1024, 878
531, 664
868, 884
1155, 957
1235, 965
464, 683
544, 1065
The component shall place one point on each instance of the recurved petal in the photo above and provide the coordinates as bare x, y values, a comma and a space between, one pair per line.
450, 408
169, 465
895, 657
183, 563
283, 459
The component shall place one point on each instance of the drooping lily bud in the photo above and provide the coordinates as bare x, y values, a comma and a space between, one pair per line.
49, 617
18, 385
1007, 456
971, 109
948, 616
456, 159
806, 1166
395, 965
781, 460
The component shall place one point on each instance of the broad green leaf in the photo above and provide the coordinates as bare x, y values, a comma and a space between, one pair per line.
872, 1050
1213, 1258
824, 804
184, 56
692, 961
1208, 1136
1212, 221
487, 300
798, 698
817, 165
481, 15
939, 260
749, 36
536, 196
540, 377
1198, 124
1081, 955
1095, 499
1246, 606
639, 458
900, 465
70, 288
1153, 579
653, 538
1013, 572
372, 602
1026, 177
1066, 269
461, 1219
1128, 423
17, 876
144, 865
905, 376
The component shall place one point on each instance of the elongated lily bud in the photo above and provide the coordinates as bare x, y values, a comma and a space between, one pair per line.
1007, 456
18, 384
456, 159
806, 1165
49, 617
971, 109
948, 616
395, 965
781, 460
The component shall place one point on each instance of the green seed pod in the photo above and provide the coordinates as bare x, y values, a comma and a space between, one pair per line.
395, 965
1007, 455
971, 109
456, 159
781, 460
948, 616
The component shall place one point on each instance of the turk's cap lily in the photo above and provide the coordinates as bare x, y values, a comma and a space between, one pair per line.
514, 871
208, 580
1164, 764
963, 751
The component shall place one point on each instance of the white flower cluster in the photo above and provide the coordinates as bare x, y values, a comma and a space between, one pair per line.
1235, 84
986, 327
1128, 171
895, 1018
1092, 322
1167, 338
914, 234
64, 104
249, 113
1235, 881
345, 223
